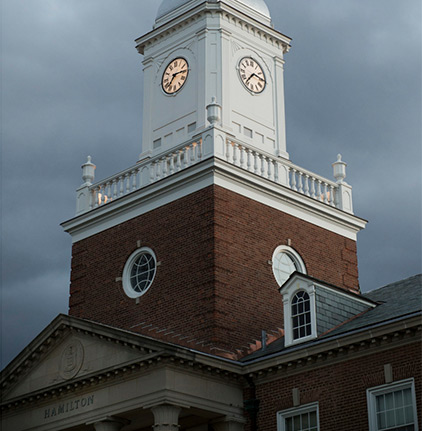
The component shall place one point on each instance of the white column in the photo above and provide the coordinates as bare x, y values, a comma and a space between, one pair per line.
166, 418
110, 423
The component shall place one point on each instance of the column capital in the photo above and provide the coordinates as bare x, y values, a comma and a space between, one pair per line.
166, 417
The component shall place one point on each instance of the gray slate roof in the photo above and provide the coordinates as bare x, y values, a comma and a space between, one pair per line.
395, 301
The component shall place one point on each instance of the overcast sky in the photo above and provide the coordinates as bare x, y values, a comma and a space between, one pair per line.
72, 86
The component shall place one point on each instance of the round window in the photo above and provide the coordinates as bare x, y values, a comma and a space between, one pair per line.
285, 262
139, 272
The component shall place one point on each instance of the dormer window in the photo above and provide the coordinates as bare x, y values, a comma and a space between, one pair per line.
312, 308
299, 312
301, 315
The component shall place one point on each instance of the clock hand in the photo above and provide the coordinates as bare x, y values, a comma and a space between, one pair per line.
180, 71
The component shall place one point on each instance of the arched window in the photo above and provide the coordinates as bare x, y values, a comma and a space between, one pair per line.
286, 261
301, 315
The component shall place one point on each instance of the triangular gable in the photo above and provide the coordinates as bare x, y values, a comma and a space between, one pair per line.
69, 349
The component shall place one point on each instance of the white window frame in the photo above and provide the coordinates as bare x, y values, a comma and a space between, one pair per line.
284, 414
127, 285
288, 296
293, 254
372, 393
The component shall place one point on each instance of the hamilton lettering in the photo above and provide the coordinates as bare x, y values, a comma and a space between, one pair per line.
70, 406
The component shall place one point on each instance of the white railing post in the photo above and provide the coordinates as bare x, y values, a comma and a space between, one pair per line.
83, 193
344, 190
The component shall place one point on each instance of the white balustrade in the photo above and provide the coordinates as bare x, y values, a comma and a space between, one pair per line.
298, 179
275, 169
140, 175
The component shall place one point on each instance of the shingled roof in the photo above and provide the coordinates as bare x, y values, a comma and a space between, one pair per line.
396, 301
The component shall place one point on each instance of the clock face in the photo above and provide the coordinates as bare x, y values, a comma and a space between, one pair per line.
175, 75
252, 75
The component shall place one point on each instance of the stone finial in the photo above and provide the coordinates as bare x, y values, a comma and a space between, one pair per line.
88, 172
213, 112
339, 169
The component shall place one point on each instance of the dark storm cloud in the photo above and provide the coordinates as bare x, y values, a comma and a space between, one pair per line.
72, 86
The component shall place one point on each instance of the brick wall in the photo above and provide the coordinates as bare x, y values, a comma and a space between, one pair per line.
214, 282
340, 389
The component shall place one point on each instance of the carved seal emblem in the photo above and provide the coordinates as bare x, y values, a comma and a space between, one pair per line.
72, 359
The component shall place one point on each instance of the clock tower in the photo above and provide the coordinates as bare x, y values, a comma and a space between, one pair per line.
192, 243
232, 58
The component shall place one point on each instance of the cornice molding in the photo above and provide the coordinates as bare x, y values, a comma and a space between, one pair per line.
229, 14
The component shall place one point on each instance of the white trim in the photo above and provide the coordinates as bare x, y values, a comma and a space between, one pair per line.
288, 295
213, 171
284, 414
126, 283
372, 393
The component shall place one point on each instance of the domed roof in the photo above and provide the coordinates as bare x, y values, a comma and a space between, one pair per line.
170, 5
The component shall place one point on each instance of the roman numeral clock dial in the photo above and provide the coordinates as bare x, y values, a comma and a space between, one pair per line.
175, 75
252, 75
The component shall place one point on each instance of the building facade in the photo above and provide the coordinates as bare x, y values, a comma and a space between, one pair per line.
214, 284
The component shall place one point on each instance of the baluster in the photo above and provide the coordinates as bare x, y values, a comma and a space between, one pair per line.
115, 188
306, 185
331, 199
103, 194
127, 182
242, 156
293, 180
164, 164
249, 162
171, 164
263, 162
96, 197
325, 191
300, 182
158, 169
200, 150
108, 194
319, 191
152, 173
255, 166
134, 178
192, 153
313, 187
92, 195
276, 178
186, 156
179, 160
269, 172
228, 144
234, 154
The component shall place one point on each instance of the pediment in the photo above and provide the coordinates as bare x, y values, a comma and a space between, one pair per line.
68, 352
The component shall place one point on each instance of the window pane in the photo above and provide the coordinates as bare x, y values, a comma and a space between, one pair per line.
381, 421
398, 399
380, 403
400, 418
305, 421
390, 418
389, 401
407, 395
296, 421
313, 419
289, 424
409, 414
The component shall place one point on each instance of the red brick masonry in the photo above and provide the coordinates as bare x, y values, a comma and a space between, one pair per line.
214, 282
